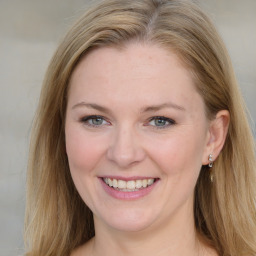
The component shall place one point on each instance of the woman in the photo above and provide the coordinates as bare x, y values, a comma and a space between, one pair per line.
141, 145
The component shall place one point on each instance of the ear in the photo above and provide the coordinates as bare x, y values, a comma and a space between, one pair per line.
216, 136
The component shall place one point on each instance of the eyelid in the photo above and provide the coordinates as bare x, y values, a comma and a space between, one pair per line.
169, 120
85, 120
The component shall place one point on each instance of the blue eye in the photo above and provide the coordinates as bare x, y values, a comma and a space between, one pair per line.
94, 121
161, 122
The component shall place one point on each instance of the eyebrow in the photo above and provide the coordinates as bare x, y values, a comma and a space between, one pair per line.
161, 106
153, 108
92, 106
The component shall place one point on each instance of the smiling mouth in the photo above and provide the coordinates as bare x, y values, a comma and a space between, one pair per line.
128, 186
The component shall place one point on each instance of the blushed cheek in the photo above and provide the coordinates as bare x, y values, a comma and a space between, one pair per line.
179, 156
84, 152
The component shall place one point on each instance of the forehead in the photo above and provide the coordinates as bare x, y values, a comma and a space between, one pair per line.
142, 72
136, 55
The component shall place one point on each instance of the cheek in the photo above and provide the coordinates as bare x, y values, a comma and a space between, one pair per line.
180, 154
83, 151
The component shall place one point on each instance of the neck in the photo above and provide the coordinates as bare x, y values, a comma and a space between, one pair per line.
178, 237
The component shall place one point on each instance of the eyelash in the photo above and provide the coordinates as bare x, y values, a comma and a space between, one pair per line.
87, 119
162, 118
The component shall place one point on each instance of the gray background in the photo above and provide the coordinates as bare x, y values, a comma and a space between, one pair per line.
29, 33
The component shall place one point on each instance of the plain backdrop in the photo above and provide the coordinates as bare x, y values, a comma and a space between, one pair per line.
29, 33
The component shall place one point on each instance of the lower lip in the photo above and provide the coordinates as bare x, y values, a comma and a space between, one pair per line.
132, 195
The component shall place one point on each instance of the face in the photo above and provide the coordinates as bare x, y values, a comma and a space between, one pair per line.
136, 136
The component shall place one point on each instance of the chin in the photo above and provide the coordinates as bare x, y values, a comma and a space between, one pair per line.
128, 221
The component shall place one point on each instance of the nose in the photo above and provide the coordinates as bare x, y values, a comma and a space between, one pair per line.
125, 149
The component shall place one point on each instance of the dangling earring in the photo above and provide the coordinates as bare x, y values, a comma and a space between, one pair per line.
210, 161
210, 165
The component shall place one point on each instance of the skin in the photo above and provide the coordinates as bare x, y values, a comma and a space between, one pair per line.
128, 88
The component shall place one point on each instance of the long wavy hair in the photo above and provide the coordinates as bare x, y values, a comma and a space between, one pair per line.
57, 220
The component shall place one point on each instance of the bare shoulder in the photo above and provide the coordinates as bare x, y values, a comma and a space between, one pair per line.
83, 250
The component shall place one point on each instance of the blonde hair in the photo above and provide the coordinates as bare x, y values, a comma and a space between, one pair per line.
57, 220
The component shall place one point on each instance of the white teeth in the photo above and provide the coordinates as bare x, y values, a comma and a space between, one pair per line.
138, 183
110, 183
121, 184
131, 185
150, 181
114, 183
144, 183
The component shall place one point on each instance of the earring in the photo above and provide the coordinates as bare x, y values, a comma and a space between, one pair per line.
210, 161
210, 165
